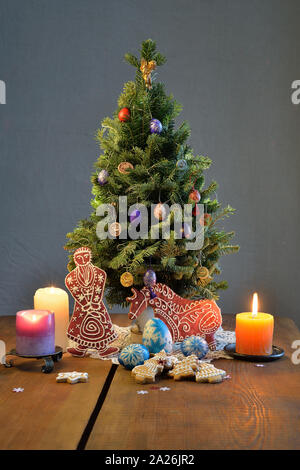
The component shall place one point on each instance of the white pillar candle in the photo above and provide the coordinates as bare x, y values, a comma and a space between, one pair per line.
56, 300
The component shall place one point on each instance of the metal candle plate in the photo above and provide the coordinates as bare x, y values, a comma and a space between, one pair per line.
49, 359
277, 353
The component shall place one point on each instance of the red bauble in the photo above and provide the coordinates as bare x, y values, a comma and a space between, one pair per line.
195, 195
196, 210
205, 219
124, 114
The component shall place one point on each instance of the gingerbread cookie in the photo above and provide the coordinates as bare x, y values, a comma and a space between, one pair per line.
168, 361
209, 373
147, 372
185, 369
72, 377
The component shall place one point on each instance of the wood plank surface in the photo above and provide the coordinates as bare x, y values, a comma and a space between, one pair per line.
47, 415
258, 408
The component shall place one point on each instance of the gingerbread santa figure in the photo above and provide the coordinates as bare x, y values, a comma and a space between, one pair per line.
90, 326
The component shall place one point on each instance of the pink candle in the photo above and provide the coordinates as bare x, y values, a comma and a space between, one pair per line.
35, 332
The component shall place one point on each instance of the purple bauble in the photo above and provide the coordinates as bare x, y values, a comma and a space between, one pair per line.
150, 278
186, 230
155, 126
103, 177
135, 216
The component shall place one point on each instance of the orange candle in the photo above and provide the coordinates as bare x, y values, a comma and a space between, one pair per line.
254, 332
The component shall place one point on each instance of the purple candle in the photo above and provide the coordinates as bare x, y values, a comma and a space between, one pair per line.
35, 332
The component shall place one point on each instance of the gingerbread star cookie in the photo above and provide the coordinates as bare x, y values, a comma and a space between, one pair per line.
72, 377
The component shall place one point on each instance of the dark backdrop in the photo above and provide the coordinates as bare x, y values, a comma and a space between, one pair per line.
230, 63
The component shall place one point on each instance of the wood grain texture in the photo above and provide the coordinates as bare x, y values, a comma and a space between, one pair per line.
258, 408
47, 415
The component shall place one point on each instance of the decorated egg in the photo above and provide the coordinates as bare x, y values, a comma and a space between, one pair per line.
182, 164
186, 230
155, 126
195, 195
160, 211
196, 210
157, 336
149, 278
194, 345
135, 216
133, 355
124, 114
126, 279
103, 177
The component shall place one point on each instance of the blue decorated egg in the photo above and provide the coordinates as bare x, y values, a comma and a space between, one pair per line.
155, 126
157, 336
194, 345
103, 177
133, 355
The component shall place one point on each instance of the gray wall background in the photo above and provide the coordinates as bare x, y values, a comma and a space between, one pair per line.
230, 62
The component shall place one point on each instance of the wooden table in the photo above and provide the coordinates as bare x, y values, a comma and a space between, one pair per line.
258, 408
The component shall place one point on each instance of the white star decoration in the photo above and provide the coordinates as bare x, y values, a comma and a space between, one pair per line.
19, 389
141, 392
164, 389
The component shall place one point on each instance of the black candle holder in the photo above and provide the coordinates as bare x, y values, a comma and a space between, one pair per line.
49, 359
277, 353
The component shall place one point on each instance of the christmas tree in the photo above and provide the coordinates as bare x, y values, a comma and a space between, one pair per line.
146, 158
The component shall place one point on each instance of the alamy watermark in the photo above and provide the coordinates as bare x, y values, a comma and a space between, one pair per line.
2, 92
295, 96
175, 216
295, 358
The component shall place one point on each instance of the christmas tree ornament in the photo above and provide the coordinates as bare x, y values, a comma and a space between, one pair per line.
205, 219
126, 279
125, 167
135, 216
194, 345
182, 165
186, 230
146, 69
133, 355
124, 115
157, 337
103, 177
163, 163
115, 229
202, 272
196, 210
183, 317
150, 278
195, 195
90, 325
160, 211
155, 126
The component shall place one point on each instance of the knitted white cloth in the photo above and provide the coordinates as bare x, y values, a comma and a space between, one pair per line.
222, 337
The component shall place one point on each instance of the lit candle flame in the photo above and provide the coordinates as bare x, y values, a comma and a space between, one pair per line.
33, 317
254, 305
